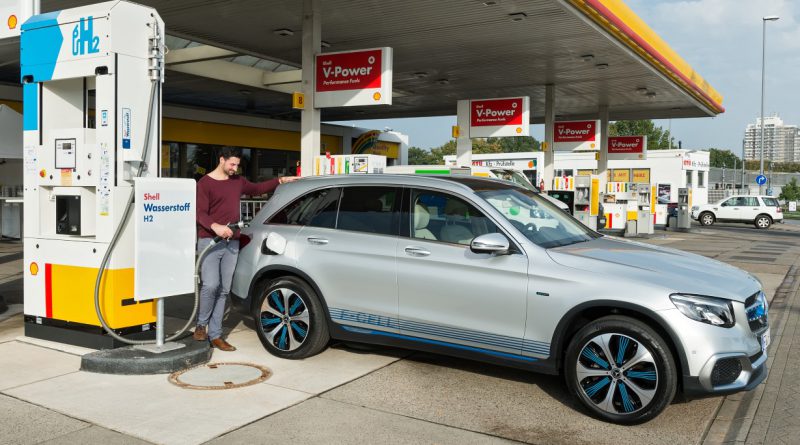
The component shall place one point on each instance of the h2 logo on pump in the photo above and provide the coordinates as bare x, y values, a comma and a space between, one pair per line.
83, 38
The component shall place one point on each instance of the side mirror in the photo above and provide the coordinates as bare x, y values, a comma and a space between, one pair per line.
494, 243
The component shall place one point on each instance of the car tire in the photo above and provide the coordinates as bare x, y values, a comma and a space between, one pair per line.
639, 381
762, 222
289, 318
707, 218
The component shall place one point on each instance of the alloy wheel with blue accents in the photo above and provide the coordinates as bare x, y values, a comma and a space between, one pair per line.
617, 373
285, 319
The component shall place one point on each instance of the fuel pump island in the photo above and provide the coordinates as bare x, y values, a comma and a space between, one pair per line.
105, 239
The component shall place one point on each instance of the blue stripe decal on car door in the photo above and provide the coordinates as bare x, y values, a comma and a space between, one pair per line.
440, 343
465, 335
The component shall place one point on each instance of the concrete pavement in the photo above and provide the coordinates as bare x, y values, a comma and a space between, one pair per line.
346, 396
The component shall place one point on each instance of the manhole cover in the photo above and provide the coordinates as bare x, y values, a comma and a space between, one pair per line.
220, 376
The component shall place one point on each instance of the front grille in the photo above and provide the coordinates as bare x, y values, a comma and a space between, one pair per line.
726, 371
756, 309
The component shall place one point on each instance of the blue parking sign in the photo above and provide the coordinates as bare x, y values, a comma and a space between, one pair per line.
769, 191
761, 179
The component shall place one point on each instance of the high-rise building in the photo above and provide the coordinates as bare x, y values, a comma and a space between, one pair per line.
781, 142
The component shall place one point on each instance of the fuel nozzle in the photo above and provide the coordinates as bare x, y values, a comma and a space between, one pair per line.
233, 226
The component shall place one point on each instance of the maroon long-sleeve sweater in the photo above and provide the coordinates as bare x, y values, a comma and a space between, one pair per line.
218, 200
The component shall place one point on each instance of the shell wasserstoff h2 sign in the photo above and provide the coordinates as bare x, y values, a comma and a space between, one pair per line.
507, 116
576, 136
627, 147
350, 78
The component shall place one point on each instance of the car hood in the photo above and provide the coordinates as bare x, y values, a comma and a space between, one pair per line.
671, 269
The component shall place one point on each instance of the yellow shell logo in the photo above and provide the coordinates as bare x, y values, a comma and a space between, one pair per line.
12, 21
376, 96
519, 130
592, 145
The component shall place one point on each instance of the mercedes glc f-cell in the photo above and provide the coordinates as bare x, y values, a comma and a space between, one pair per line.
486, 270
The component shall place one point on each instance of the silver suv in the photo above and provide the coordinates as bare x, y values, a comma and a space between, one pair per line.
487, 270
760, 211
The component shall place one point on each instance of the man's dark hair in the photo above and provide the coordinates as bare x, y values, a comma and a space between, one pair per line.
230, 152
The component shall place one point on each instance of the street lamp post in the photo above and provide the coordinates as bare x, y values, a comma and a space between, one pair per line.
764, 20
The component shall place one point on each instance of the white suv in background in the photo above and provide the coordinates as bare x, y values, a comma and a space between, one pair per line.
761, 211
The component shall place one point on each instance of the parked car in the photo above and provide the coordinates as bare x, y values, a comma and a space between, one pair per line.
761, 211
459, 265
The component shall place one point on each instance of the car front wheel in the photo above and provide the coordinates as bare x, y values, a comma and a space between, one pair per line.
621, 370
706, 219
763, 222
289, 318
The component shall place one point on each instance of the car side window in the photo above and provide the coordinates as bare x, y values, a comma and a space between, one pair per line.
771, 202
442, 217
370, 209
730, 203
751, 201
317, 209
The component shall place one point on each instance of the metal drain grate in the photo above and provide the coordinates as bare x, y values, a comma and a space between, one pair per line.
220, 376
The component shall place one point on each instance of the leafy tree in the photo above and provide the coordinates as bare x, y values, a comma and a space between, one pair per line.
419, 156
790, 191
516, 144
719, 158
657, 137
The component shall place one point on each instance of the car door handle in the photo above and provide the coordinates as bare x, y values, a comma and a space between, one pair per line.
317, 241
416, 251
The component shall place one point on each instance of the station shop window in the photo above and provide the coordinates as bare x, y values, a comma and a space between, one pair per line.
701, 178
689, 178
188, 160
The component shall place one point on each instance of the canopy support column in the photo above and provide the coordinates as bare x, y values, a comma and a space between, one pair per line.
549, 124
310, 117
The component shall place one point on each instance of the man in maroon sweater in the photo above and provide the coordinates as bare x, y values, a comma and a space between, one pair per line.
218, 204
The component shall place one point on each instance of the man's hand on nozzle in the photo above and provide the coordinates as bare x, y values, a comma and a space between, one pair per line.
222, 231
285, 179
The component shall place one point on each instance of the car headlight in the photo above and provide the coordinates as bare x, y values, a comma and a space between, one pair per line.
714, 311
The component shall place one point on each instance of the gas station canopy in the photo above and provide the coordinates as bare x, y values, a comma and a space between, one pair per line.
595, 53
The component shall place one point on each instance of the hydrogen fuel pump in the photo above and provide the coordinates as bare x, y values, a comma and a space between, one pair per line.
92, 130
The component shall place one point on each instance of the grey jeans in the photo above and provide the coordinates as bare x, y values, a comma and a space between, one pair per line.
216, 274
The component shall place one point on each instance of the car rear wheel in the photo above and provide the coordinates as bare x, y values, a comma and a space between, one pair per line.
707, 218
289, 318
621, 370
763, 222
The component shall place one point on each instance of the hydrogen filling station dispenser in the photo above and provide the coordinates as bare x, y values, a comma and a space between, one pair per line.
92, 80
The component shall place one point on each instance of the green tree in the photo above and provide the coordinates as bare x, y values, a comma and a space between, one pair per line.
657, 137
719, 158
790, 191
516, 144
420, 156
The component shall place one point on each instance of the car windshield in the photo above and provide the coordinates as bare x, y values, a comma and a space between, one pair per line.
539, 220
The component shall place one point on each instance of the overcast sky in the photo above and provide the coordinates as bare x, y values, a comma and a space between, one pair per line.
721, 40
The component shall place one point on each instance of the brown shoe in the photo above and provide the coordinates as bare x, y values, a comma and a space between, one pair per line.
200, 333
222, 345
